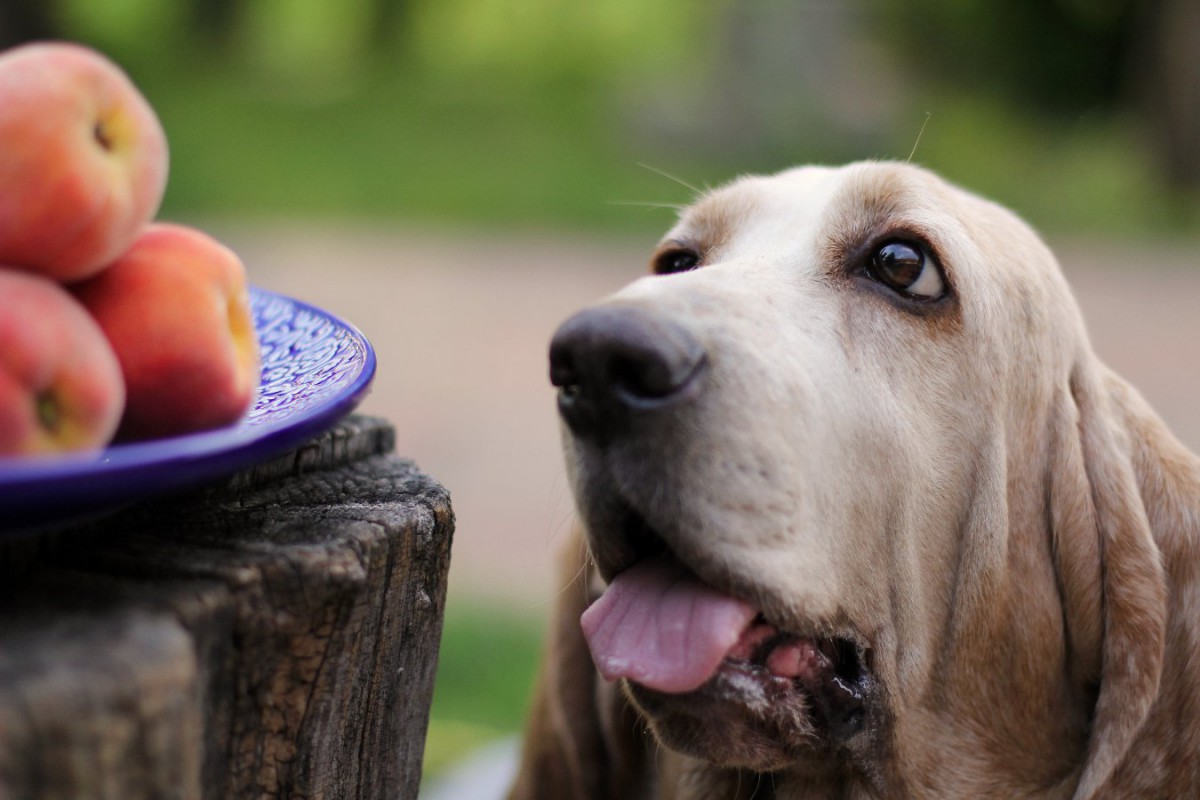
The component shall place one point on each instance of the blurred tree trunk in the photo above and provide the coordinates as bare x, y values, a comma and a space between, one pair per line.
1168, 88
27, 20
389, 24
797, 77
216, 21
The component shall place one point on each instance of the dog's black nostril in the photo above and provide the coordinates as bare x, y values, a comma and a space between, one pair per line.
613, 362
642, 375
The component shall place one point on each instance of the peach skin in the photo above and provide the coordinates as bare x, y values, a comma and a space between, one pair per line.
60, 383
176, 309
83, 160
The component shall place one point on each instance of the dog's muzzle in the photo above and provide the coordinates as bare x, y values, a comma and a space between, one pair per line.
616, 364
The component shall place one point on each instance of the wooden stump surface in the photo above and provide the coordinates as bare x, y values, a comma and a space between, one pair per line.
271, 637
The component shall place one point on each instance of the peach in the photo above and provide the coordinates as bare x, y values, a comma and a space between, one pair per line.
83, 160
60, 383
176, 309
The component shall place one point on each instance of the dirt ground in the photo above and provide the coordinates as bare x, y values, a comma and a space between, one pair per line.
461, 323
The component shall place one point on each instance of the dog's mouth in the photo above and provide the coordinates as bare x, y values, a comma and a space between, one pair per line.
680, 642
829, 674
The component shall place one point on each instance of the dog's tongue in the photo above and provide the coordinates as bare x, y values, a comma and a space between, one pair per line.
658, 626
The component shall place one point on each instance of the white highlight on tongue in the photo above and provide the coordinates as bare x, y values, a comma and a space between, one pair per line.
660, 627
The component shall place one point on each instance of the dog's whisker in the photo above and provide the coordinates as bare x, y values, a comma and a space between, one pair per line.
693, 189
917, 143
644, 204
563, 522
585, 561
575, 579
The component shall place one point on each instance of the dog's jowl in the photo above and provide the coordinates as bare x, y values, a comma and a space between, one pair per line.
861, 514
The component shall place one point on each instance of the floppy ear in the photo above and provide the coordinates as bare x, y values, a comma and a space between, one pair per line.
1109, 565
581, 740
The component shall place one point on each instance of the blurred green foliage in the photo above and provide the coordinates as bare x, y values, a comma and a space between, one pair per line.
539, 112
1063, 57
485, 675
491, 113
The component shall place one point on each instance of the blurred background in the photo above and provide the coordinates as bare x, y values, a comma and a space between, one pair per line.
456, 176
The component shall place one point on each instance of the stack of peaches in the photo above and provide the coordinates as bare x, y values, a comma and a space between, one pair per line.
112, 325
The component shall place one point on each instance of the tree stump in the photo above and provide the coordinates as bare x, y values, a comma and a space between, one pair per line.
271, 637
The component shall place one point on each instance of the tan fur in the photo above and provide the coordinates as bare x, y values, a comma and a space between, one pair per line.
1006, 521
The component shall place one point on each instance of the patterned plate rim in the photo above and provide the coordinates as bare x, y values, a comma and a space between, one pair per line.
197, 456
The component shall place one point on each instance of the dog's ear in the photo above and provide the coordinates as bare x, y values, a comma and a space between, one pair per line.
1109, 564
582, 741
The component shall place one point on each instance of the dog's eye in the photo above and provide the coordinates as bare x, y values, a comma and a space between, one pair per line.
907, 268
676, 260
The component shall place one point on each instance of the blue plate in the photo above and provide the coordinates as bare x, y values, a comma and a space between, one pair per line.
315, 370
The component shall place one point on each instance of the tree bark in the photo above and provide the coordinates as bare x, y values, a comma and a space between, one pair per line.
215, 22
1167, 85
272, 637
26, 21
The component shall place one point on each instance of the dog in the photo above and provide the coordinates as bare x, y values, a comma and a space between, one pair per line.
862, 515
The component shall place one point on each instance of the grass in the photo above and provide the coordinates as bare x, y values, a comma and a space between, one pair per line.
1089, 174
396, 146
537, 115
486, 669
501, 151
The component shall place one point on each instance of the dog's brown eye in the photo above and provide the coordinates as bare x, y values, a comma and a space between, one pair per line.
672, 261
907, 268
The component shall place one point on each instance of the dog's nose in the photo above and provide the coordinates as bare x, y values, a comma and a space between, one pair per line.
613, 363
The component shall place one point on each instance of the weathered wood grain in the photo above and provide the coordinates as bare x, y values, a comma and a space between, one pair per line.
275, 636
